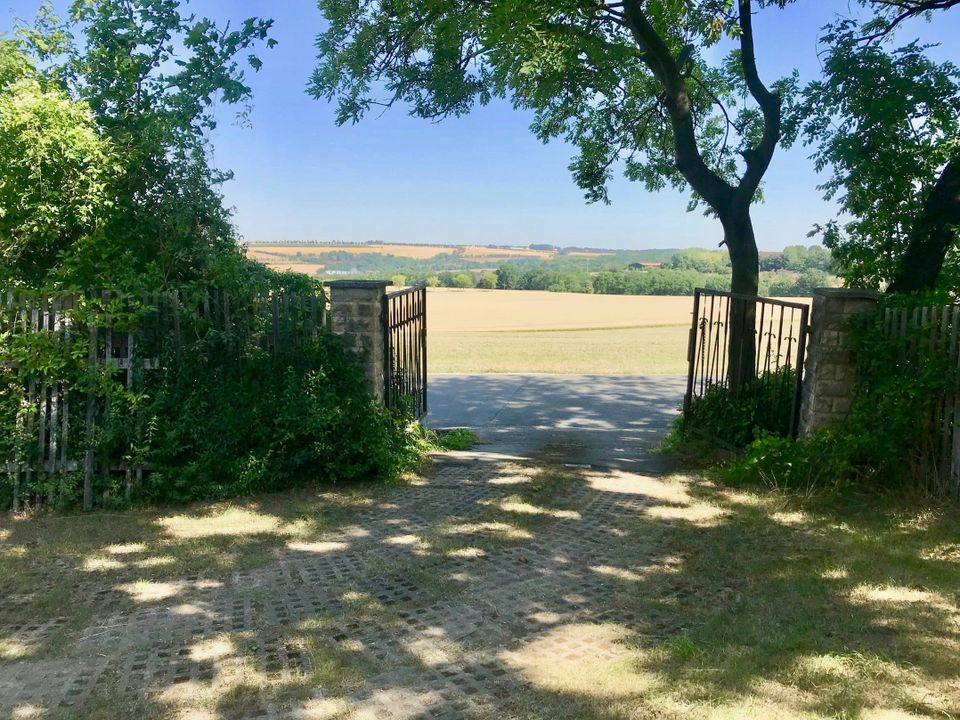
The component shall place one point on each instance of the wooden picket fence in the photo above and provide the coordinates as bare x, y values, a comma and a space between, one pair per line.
934, 330
126, 338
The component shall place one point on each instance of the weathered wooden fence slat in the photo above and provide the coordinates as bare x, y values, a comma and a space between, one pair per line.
932, 330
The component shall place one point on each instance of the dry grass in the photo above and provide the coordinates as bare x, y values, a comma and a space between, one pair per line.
310, 269
753, 606
417, 252
476, 252
54, 563
517, 331
820, 612
500, 310
632, 351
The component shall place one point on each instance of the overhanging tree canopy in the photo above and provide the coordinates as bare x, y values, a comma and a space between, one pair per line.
627, 83
142, 78
886, 121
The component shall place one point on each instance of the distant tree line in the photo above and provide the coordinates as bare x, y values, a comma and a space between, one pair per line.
794, 272
388, 264
655, 281
570, 273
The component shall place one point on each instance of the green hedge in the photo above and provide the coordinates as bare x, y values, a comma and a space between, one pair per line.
219, 426
223, 416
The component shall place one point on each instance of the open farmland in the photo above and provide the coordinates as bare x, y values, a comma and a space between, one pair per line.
306, 268
527, 331
478, 252
502, 331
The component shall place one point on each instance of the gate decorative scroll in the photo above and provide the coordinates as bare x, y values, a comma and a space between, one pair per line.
779, 340
405, 349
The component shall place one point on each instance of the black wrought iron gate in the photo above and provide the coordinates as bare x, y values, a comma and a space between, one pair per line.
774, 360
405, 349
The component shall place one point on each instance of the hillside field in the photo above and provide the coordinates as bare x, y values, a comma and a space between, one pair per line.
283, 257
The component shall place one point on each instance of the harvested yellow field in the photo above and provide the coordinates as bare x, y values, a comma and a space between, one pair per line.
631, 351
475, 252
503, 331
305, 268
527, 331
269, 253
502, 310
417, 252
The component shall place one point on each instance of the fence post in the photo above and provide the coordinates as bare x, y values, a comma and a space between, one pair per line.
356, 316
830, 377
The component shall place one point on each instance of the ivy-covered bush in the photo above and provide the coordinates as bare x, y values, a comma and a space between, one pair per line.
890, 438
221, 425
823, 461
107, 183
735, 418
234, 407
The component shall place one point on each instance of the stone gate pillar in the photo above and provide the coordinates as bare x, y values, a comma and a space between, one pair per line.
356, 315
830, 377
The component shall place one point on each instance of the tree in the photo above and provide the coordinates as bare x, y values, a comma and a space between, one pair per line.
55, 171
705, 261
886, 122
462, 280
151, 76
487, 281
625, 82
894, 12
508, 277
772, 263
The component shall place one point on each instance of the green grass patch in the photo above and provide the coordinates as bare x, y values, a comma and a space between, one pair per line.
455, 439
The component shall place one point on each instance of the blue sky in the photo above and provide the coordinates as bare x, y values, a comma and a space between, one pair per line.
483, 178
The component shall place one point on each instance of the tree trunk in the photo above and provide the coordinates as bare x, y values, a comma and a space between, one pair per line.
745, 266
731, 203
932, 236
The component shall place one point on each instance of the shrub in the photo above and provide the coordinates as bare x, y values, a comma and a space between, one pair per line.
215, 425
814, 463
736, 418
222, 416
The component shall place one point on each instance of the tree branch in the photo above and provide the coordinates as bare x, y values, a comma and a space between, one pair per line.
908, 9
689, 161
932, 235
758, 158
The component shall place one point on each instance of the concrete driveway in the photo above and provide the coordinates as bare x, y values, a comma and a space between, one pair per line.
601, 421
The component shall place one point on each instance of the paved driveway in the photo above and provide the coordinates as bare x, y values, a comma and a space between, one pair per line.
602, 421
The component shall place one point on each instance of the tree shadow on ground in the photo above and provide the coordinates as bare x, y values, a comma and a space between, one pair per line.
61, 571
497, 588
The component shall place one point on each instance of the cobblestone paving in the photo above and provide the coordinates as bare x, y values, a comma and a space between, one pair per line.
448, 598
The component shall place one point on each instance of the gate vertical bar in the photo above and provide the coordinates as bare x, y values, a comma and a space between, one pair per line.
801, 358
692, 351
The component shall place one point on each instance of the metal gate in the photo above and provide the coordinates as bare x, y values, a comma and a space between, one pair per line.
405, 349
771, 356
